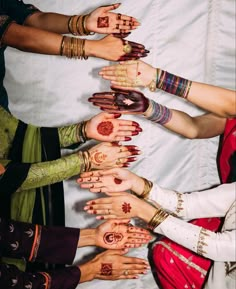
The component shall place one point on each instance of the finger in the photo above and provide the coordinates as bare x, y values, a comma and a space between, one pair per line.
97, 173
106, 217
134, 263
119, 85
111, 7
99, 201
105, 94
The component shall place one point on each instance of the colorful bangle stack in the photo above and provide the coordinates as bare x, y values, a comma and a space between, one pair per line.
172, 83
158, 113
146, 190
157, 219
77, 25
72, 47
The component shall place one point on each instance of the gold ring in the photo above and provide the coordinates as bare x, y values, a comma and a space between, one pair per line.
127, 48
109, 211
120, 150
126, 272
118, 162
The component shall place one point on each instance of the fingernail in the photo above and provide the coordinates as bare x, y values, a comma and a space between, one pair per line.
134, 133
139, 129
146, 51
135, 123
127, 138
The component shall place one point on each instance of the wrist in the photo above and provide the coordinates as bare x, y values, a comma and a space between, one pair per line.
147, 212
137, 186
87, 237
87, 273
90, 47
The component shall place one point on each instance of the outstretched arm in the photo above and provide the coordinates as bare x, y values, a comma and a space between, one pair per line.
134, 102
130, 74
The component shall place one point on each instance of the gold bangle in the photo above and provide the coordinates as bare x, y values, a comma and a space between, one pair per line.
158, 218
146, 190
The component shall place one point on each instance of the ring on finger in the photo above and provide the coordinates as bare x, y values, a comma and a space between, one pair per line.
117, 26
127, 48
126, 272
109, 212
118, 162
118, 16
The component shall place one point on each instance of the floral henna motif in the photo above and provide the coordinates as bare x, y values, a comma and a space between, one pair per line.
105, 128
103, 22
106, 269
117, 181
126, 208
112, 238
98, 158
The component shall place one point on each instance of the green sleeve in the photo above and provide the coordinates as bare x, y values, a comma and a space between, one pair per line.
44, 173
72, 134
7, 132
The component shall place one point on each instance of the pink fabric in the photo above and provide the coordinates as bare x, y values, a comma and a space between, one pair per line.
227, 150
175, 273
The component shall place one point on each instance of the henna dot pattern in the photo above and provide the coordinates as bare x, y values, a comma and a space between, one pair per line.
126, 208
105, 128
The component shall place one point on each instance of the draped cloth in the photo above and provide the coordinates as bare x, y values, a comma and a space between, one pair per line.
167, 251
43, 205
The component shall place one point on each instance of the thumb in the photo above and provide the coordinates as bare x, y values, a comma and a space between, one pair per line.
111, 7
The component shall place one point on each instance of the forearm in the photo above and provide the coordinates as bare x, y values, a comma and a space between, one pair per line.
52, 22
42, 174
72, 134
203, 126
210, 203
32, 39
87, 238
216, 246
215, 99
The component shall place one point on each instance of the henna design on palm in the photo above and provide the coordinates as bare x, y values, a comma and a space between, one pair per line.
103, 22
112, 238
105, 128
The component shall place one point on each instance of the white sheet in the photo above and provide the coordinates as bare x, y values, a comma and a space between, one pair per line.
195, 39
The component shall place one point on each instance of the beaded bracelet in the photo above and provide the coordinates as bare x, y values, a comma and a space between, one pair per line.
157, 219
72, 47
172, 83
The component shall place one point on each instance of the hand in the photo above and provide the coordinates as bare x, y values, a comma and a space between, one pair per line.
114, 49
129, 74
113, 265
103, 21
2, 169
107, 155
106, 127
111, 181
122, 205
118, 234
121, 101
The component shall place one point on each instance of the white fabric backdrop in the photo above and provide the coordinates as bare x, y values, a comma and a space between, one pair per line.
195, 39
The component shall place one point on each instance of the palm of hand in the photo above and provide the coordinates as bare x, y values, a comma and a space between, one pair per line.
112, 235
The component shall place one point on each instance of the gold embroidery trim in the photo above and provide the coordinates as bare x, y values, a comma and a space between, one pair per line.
182, 258
180, 203
48, 280
201, 242
36, 243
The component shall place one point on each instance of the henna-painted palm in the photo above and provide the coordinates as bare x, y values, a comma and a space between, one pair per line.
118, 234
107, 127
103, 21
121, 101
110, 181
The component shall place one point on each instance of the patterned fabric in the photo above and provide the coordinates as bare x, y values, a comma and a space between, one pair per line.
178, 267
168, 251
10, 11
23, 240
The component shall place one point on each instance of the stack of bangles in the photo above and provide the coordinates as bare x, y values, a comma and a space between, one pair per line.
81, 133
146, 190
157, 219
170, 83
72, 47
158, 113
77, 25
85, 156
